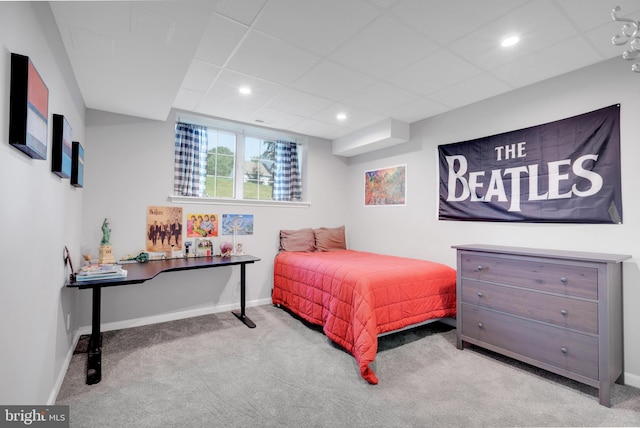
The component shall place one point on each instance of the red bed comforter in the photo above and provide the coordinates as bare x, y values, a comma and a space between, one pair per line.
357, 295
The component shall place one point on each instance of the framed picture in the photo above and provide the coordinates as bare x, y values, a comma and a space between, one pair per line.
385, 186
61, 150
237, 224
28, 108
202, 225
164, 228
77, 165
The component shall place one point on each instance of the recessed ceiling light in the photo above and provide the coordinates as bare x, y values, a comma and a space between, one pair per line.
244, 90
341, 116
509, 41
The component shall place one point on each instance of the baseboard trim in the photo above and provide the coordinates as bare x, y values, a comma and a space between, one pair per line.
632, 380
137, 322
63, 371
173, 316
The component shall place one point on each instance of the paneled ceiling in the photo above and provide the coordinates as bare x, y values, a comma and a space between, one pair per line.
308, 60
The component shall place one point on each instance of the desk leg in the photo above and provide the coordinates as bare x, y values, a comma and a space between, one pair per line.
94, 358
241, 316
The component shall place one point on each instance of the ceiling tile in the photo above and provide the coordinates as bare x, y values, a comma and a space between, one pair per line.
383, 47
587, 18
200, 76
436, 71
296, 102
382, 3
470, 91
445, 21
187, 99
244, 11
379, 97
229, 109
220, 39
318, 26
152, 24
88, 43
415, 110
600, 38
333, 81
107, 18
356, 118
228, 83
276, 119
271, 59
562, 58
533, 23
315, 127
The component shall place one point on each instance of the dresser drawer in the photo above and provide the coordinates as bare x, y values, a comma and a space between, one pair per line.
563, 311
571, 351
570, 280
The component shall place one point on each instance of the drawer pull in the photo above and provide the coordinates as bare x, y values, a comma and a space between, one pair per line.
564, 350
479, 293
564, 312
563, 280
479, 268
480, 325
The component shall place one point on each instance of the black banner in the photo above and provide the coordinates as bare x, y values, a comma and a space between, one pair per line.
567, 171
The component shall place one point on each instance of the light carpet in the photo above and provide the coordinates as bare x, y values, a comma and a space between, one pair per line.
212, 371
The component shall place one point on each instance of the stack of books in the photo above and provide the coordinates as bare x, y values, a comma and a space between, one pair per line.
101, 272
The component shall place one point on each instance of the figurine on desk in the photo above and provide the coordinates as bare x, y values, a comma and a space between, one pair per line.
105, 255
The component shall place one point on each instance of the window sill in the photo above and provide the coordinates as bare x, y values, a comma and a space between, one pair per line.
238, 202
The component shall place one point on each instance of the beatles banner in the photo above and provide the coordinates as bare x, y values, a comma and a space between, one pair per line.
566, 171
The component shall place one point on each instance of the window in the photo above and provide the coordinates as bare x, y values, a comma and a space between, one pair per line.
221, 164
211, 162
259, 168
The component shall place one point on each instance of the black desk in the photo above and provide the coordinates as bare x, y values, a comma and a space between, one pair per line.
138, 273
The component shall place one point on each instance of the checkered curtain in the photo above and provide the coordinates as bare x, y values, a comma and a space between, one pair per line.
190, 162
287, 185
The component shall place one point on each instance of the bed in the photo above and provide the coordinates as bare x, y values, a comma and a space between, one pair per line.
355, 295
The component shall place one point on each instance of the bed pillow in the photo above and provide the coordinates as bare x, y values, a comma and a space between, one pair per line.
330, 238
297, 240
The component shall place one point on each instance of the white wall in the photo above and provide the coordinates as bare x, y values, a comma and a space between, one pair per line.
40, 214
130, 167
415, 230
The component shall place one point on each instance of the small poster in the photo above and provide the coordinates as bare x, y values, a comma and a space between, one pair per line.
164, 228
202, 225
241, 224
386, 186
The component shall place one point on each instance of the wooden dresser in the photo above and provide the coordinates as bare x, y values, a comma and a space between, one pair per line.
557, 310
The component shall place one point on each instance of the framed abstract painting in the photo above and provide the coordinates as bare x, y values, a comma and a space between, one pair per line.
77, 165
62, 150
28, 108
386, 186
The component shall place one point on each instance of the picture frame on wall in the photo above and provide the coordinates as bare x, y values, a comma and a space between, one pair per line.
386, 186
61, 149
28, 108
77, 165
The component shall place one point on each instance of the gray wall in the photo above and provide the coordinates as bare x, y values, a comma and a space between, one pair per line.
40, 214
415, 230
